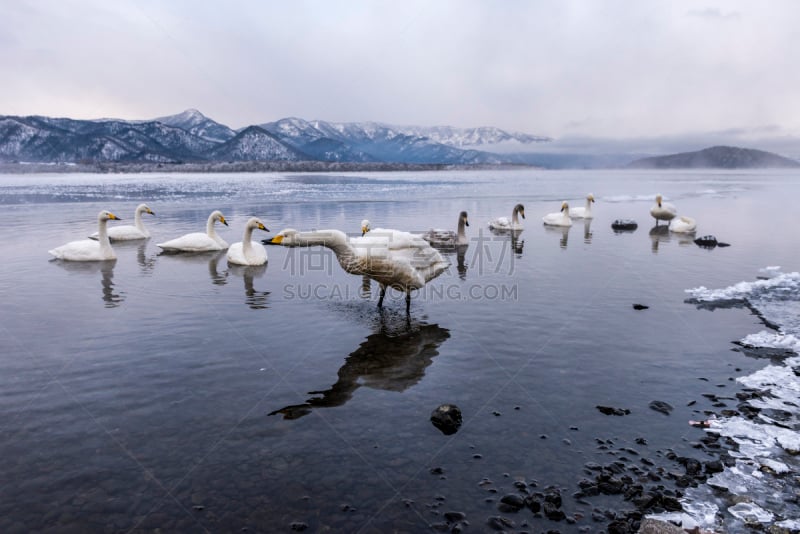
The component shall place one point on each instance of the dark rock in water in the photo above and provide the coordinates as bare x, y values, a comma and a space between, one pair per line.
511, 503
447, 418
640, 307
609, 410
661, 406
552, 512
497, 522
709, 241
624, 225
298, 526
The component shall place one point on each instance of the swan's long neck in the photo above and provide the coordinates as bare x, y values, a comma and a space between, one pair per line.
515, 217
461, 236
102, 235
332, 239
137, 219
588, 206
212, 233
246, 245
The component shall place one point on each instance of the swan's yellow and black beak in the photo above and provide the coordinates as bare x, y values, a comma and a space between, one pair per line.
466, 222
262, 227
113, 217
223, 221
277, 240
151, 212
364, 230
522, 213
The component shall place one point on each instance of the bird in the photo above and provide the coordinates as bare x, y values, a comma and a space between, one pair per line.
199, 241
559, 218
364, 227
128, 232
682, 225
583, 213
449, 238
663, 211
392, 258
248, 252
503, 223
88, 249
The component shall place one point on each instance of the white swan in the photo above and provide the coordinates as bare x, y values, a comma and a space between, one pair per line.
683, 225
663, 211
88, 249
199, 241
559, 218
248, 252
128, 232
583, 213
449, 238
364, 227
503, 223
392, 258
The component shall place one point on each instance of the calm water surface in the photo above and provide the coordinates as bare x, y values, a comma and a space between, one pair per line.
180, 393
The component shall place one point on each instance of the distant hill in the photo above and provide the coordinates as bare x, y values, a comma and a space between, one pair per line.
717, 157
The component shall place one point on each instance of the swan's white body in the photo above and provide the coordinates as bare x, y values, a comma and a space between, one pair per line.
88, 249
663, 211
449, 238
198, 241
683, 225
583, 213
248, 252
392, 258
560, 218
128, 232
504, 223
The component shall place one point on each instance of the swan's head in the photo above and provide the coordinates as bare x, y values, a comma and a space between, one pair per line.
364, 227
218, 216
143, 208
590, 197
463, 217
658, 200
519, 208
285, 237
565, 207
107, 215
255, 222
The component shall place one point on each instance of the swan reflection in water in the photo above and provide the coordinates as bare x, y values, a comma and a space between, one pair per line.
517, 244
218, 278
111, 295
587, 231
562, 232
385, 360
661, 234
255, 299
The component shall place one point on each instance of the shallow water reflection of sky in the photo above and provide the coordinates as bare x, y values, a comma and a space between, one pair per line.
135, 392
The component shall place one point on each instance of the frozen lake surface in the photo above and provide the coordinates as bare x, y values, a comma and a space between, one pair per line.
180, 393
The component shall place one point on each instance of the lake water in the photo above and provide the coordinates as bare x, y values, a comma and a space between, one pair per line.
177, 393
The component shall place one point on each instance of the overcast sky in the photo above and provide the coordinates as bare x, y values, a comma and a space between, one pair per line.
567, 69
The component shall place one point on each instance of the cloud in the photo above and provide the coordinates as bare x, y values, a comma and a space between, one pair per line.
713, 13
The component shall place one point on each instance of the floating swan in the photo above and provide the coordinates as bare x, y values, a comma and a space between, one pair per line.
248, 252
88, 249
392, 258
683, 225
448, 238
560, 218
583, 213
503, 223
663, 211
198, 241
128, 232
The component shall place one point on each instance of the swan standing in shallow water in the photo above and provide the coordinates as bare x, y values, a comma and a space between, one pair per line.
560, 218
683, 225
663, 211
248, 252
583, 213
449, 238
392, 258
199, 241
88, 249
503, 223
128, 232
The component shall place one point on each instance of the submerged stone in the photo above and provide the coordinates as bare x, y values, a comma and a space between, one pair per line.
447, 418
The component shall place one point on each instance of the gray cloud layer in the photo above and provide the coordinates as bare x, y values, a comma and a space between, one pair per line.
569, 69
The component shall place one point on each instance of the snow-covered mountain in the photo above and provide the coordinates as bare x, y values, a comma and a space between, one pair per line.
192, 137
